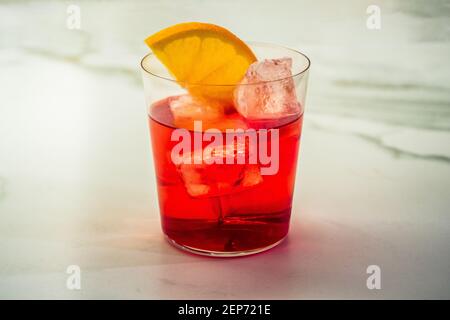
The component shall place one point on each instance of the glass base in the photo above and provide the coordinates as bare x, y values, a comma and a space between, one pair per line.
222, 254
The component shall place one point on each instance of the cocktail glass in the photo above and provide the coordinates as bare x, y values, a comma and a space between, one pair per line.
224, 209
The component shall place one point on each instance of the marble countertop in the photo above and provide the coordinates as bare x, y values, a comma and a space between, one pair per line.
77, 185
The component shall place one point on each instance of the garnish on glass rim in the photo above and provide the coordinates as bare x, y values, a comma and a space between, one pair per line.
204, 58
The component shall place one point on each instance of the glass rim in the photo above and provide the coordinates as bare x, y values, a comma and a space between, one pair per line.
185, 83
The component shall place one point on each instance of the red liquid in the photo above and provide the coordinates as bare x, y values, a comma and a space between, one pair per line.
226, 219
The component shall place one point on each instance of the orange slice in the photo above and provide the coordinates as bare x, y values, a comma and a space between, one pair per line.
206, 59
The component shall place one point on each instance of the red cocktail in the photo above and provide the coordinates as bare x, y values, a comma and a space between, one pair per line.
225, 155
235, 218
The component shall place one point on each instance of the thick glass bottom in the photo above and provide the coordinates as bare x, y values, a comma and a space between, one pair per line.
230, 235
222, 254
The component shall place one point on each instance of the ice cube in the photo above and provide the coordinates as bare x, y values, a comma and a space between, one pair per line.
218, 173
185, 110
267, 91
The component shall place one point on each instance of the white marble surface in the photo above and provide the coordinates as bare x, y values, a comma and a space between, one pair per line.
76, 177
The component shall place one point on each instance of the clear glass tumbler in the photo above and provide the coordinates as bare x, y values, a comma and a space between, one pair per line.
241, 203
